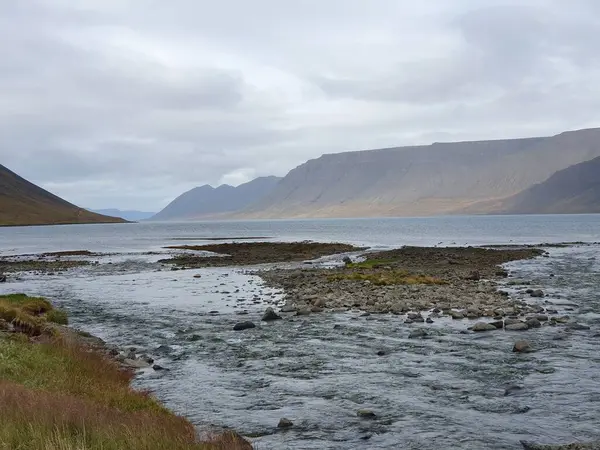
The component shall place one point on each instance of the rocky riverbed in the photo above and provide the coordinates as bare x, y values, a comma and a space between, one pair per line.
421, 285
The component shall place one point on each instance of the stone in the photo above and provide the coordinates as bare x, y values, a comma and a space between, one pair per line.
533, 323
474, 276
577, 326
316, 309
429, 320
158, 368
502, 273
347, 260
457, 315
366, 414
499, 324
135, 363
512, 390
413, 316
303, 312
381, 353
522, 347
240, 326
538, 293
288, 309
512, 321
131, 355
2, 278
147, 359
320, 303
420, 333
522, 326
482, 326
541, 317
270, 315
285, 423
197, 276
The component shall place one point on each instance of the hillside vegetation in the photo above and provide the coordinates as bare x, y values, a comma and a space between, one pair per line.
24, 203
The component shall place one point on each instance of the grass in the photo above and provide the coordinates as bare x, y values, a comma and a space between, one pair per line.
56, 394
30, 315
371, 264
387, 278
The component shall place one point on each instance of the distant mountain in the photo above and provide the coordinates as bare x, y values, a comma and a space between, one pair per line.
208, 202
24, 203
127, 215
442, 178
574, 190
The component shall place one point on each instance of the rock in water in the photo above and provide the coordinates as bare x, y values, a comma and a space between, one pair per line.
243, 326
538, 293
2, 278
135, 363
533, 323
288, 309
366, 414
482, 326
285, 423
578, 327
575, 446
417, 334
270, 315
517, 327
522, 347
457, 315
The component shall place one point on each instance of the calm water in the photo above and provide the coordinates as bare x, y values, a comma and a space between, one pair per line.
443, 392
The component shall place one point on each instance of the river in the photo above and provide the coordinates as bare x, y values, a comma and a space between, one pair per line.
447, 391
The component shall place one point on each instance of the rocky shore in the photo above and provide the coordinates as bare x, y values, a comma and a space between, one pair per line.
420, 285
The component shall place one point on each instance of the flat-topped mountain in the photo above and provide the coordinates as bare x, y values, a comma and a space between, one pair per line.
209, 202
573, 190
442, 178
24, 203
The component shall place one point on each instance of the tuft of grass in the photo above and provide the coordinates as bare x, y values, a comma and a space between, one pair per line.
388, 278
57, 316
370, 264
56, 394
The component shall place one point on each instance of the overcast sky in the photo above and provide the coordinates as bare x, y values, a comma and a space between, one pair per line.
128, 103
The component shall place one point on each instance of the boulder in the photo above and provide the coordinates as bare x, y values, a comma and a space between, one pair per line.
288, 309
578, 327
533, 323
429, 320
521, 326
270, 315
457, 315
522, 347
366, 414
482, 326
537, 293
285, 423
135, 363
243, 326
498, 324
420, 333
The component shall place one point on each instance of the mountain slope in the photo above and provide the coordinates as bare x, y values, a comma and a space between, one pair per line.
24, 203
127, 214
442, 178
574, 190
206, 201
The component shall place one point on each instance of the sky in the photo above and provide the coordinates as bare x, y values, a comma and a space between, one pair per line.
129, 103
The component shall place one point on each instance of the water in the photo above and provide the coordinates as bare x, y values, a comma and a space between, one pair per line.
447, 391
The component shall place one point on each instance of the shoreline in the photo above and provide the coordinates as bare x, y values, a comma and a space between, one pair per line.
63, 388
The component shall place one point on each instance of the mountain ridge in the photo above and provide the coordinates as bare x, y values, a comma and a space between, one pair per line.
23, 203
441, 178
205, 201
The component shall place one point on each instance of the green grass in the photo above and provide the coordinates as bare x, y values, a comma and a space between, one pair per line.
30, 315
370, 264
387, 278
56, 394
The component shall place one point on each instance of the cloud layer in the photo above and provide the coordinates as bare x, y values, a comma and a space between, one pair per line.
127, 103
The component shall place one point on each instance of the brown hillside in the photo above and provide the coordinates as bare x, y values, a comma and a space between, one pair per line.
24, 203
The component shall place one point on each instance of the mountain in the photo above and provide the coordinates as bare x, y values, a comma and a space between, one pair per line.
442, 178
574, 190
133, 216
24, 203
206, 201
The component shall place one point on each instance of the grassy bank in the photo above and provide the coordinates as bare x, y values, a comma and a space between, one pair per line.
58, 394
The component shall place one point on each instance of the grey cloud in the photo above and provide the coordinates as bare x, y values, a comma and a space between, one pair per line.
127, 103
